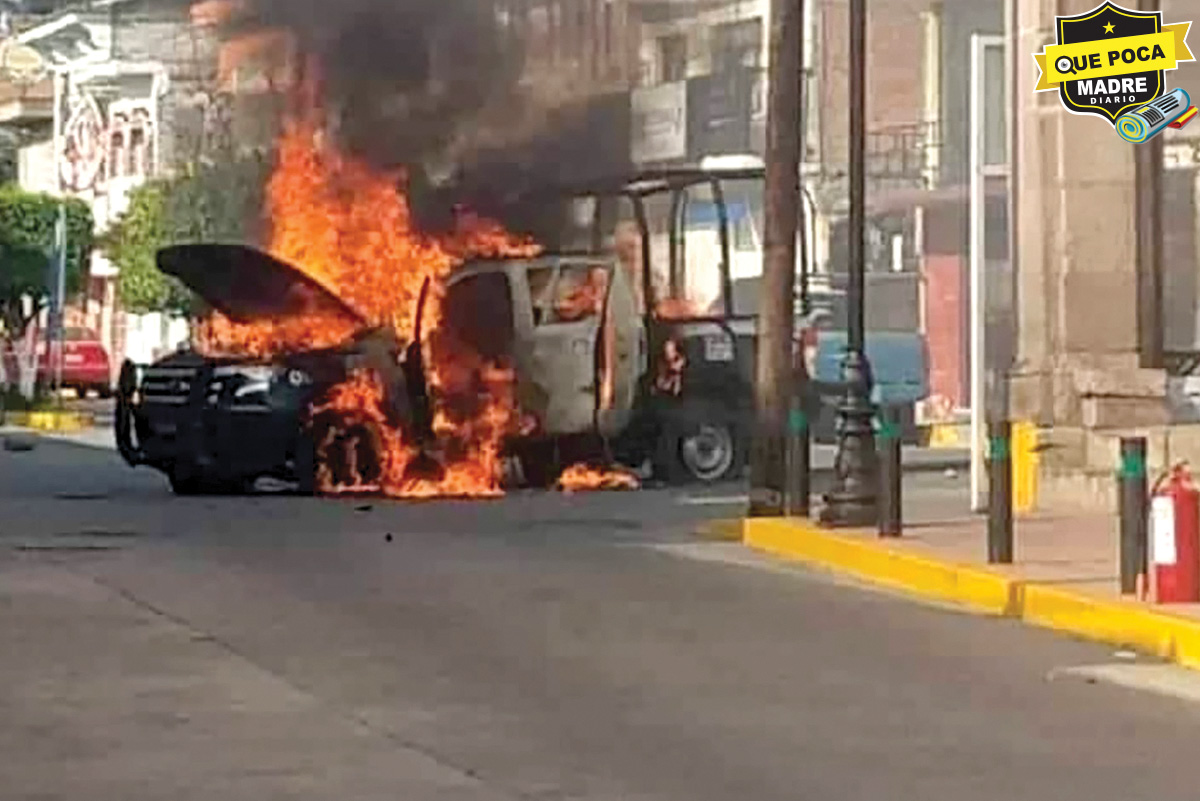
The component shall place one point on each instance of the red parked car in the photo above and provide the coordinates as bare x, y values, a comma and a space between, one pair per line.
85, 364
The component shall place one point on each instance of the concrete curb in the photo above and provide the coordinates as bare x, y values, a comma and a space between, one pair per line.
979, 590
1046, 605
49, 421
720, 530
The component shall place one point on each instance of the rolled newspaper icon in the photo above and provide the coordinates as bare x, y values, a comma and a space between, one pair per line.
1151, 118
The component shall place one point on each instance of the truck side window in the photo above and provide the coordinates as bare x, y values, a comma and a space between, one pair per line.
579, 293
479, 314
541, 281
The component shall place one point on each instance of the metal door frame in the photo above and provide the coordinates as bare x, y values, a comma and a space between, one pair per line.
979, 174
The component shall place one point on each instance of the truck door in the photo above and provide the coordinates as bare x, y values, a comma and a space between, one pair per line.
567, 301
621, 349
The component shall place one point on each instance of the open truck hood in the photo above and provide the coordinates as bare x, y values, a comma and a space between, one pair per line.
246, 284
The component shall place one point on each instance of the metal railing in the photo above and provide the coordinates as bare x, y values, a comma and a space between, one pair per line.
1181, 362
902, 152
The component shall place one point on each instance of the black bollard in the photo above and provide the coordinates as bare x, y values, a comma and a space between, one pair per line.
890, 474
1000, 514
1134, 508
799, 467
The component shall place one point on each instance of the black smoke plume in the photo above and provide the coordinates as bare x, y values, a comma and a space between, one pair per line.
403, 80
434, 87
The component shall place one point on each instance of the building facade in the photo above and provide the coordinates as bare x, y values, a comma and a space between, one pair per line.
107, 114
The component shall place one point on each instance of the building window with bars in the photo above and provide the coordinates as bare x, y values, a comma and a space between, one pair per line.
737, 45
672, 58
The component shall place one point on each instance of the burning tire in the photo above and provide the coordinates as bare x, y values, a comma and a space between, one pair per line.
701, 443
345, 454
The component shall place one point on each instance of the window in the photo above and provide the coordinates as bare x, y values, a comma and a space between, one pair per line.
737, 45
117, 155
698, 287
137, 152
672, 58
479, 314
608, 31
567, 294
744, 207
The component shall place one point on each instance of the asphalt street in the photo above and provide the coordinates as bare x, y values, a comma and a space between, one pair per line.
535, 647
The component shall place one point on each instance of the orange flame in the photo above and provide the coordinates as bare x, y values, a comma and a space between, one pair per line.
581, 478
678, 309
348, 227
583, 300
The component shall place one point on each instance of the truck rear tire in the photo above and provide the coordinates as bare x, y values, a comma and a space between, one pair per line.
701, 443
539, 465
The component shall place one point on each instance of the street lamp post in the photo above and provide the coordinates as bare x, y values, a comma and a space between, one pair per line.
853, 499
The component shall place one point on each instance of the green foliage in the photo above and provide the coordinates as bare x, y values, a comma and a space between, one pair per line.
219, 202
27, 222
131, 245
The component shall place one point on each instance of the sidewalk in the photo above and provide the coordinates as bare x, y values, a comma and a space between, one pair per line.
101, 437
1064, 575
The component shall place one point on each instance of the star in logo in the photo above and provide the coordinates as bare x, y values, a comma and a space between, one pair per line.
1108, 28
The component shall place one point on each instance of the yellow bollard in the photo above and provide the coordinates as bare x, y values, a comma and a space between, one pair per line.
1025, 467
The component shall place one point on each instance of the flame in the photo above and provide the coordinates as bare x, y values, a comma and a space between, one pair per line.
348, 227
678, 309
585, 299
581, 477
467, 459
668, 377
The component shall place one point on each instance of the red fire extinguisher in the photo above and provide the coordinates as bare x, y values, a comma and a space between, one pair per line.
1175, 537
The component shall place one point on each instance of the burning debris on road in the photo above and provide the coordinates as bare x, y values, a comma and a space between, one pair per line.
583, 477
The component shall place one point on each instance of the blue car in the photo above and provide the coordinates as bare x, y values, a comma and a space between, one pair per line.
900, 367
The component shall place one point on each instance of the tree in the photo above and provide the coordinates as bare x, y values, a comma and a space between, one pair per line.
27, 223
221, 201
217, 202
131, 244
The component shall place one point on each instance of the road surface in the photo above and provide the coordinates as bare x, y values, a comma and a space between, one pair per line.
537, 647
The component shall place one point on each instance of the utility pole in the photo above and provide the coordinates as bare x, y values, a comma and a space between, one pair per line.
774, 374
59, 299
853, 500
799, 426
1148, 177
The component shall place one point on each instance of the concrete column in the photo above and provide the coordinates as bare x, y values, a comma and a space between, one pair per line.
1196, 255
1076, 371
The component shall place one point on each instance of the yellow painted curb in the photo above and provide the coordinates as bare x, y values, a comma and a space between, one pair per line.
50, 421
800, 539
720, 530
1114, 621
948, 435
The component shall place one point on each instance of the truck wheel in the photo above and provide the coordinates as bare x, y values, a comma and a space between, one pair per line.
539, 467
306, 465
701, 444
